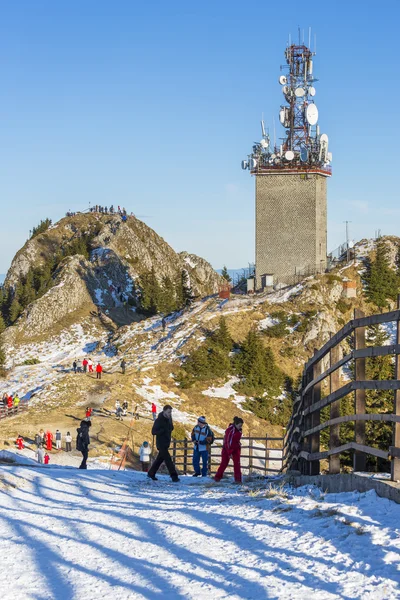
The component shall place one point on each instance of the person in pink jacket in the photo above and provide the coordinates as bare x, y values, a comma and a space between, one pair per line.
231, 450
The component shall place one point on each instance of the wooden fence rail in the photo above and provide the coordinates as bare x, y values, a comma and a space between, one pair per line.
301, 447
11, 412
257, 456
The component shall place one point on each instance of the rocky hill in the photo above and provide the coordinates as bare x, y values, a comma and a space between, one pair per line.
97, 262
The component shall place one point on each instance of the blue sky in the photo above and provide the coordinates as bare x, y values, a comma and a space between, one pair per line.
154, 105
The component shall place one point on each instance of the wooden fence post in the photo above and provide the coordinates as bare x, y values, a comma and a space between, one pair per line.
174, 451
359, 459
185, 455
395, 464
306, 424
315, 418
266, 454
250, 456
334, 430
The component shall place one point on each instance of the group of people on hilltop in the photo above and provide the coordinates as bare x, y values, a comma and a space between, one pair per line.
87, 366
10, 402
202, 438
108, 210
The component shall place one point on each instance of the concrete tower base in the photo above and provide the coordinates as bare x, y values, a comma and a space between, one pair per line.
290, 226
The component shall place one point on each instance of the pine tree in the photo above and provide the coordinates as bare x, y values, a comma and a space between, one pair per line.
257, 369
151, 297
41, 228
225, 274
221, 336
168, 300
15, 310
2, 324
2, 360
380, 280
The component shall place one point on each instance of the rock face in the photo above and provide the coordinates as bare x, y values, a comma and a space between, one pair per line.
109, 280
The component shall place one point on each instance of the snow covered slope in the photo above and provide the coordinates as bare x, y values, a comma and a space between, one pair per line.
102, 534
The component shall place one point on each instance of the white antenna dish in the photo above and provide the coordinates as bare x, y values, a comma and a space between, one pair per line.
303, 154
252, 163
312, 114
324, 138
282, 116
245, 165
299, 92
289, 155
273, 156
282, 79
311, 91
285, 89
329, 156
264, 143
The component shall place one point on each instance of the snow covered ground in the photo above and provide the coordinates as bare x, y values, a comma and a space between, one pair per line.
69, 534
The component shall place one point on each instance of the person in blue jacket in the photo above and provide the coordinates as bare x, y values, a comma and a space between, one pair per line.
202, 438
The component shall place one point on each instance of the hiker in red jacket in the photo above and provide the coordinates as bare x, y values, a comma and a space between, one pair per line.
10, 402
88, 412
20, 442
154, 411
231, 449
85, 364
99, 370
46, 459
49, 440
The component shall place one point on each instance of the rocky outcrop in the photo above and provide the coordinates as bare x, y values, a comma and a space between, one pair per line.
110, 279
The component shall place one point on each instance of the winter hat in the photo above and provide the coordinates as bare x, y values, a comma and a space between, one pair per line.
237, 420
202, 420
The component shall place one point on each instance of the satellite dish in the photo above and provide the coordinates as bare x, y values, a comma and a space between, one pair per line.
277, 161
311, 91
282, 116
273, 156
324, 138
282, 80
289, 155
299, 92
303, 154
329, 156
311, 114
264, 143
252, 163
245, 165
285, 89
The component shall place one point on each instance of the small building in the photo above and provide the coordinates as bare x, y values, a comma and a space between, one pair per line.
224, 290
349, 289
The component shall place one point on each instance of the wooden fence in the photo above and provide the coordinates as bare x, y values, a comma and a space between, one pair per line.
257, 455
11, 412
302, 440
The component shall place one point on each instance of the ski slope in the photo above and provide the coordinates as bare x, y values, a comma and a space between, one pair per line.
68, 534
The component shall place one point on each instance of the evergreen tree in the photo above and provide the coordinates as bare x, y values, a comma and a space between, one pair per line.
380, 280
221, 336
15, 310
2, 324
151, 298
257, 369
2, 360
168, 299
225, 274
41, 228
397, 260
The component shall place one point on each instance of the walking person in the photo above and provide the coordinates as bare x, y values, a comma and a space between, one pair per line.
123, 366
46, 459
49, 440
162, 429
68, 442
79, 365
154, 411
38, 439
40, 454
202, 437
75, 366
16, 401
90, 365
58, 439
124, 408
84, 364
99, 370
83, 441
231, 449
144, 456
20, 442
88, 413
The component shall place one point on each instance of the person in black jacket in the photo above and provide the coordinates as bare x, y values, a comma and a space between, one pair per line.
162, 429
83, 441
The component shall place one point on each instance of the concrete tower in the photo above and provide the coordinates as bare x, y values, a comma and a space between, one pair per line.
291, 207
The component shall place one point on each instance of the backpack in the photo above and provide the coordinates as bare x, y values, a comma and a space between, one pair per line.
210, 434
